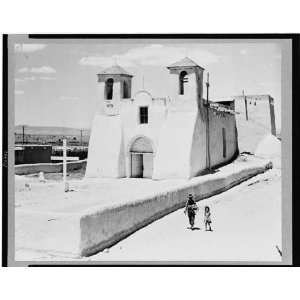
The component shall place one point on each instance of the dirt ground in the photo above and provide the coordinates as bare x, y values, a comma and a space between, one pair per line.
246, 221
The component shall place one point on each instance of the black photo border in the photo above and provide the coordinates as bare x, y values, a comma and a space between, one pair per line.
295, 37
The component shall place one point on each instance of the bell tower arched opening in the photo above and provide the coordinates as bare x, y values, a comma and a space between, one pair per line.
126, 90
109, 84
112, 89
187, 82
182, 80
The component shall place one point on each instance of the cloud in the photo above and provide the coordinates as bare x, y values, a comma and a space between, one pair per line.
32, 78
18, 92
19, 80
25, 48
69, 98
39, 70
29, 78
43, 69
47, 78
277, 56
152, 55
23, 70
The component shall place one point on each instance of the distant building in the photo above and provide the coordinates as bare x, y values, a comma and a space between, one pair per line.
255, 116
158, 138
31, 154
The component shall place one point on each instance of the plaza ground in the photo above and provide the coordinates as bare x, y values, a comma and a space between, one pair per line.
246, 227
246, 220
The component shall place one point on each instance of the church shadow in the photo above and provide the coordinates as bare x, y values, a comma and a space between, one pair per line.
206, 172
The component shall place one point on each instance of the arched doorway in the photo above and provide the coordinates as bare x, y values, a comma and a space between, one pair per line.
141, 158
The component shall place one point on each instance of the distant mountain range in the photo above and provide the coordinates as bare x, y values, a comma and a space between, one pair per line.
52, 130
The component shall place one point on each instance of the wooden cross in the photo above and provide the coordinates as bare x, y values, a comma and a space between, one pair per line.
64, 158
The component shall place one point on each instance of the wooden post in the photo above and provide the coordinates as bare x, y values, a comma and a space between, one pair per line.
65, 164
23, 134
246, 107
207, 123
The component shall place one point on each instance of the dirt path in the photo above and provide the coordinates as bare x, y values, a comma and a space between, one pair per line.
246, 224
246, 227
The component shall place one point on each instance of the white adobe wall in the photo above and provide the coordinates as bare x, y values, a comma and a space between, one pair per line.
251, 132
112, 135
115, 101
176, 146
132, 129
48, 167
106, 156
190, 101
181, 148
182, 145
216, 123
198, 151
259, 113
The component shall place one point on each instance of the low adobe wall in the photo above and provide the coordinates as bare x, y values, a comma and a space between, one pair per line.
48, 167
103, 228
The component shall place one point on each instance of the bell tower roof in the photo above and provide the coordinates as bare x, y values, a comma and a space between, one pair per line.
115, 70
185, 62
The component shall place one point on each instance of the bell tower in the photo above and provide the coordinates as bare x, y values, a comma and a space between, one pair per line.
187, 79
114, 85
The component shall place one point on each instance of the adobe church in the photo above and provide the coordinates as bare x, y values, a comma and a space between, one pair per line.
159, 138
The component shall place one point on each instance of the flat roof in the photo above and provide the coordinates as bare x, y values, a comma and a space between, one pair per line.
32, 145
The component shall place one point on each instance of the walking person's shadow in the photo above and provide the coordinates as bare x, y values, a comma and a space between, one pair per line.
196, 228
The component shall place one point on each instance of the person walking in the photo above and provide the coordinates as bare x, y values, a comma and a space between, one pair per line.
207, 219
191, 209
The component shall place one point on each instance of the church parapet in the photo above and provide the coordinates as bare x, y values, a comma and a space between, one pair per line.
161, 100
221, 108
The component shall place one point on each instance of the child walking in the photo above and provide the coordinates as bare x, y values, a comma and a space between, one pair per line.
207, 219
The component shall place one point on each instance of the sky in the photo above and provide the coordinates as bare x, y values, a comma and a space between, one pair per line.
56, 83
